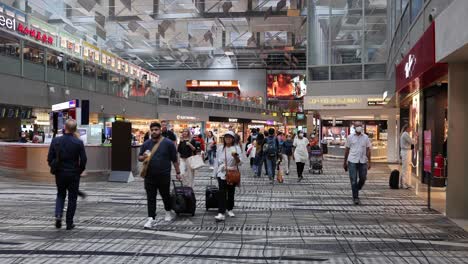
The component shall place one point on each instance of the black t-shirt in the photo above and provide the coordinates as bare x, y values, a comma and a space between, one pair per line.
184, 150
169, 134
160, 164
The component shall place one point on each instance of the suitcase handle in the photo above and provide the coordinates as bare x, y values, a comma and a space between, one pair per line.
174, 183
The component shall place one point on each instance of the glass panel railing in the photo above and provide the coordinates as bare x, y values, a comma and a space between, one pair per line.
55, 76
33, 71
101, 86
10, 65
89, 83
74, 80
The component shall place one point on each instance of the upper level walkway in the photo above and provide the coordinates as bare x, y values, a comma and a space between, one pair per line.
313, 221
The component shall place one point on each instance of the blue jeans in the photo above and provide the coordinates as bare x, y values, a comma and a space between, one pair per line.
356, 169
211, 156
271, 167
257, 167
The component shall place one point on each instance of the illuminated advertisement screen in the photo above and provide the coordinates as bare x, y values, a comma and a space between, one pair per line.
285, 86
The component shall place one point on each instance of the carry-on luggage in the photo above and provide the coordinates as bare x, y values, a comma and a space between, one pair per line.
394, 179
183, 199
211, 195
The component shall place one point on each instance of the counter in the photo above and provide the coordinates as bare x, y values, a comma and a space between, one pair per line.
29, 162
335, 151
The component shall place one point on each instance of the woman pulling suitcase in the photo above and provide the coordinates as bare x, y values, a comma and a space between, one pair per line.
226, 162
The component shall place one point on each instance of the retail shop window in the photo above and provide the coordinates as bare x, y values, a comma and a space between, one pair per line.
74, 65
102, 74
319, 73
33, 53
9, 46
54, 60
89, 70
374, 71
348, 72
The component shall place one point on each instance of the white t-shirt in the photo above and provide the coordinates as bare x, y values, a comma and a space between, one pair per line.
358, 148
300, 153
220, 161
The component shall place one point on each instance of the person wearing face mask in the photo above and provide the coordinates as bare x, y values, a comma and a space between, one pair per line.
300, 153
357, 159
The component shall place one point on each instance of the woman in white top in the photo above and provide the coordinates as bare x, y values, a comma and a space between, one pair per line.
300, 153
227, 157
405, 151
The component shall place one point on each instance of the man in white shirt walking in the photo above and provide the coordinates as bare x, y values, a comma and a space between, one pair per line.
357, 159
405, 151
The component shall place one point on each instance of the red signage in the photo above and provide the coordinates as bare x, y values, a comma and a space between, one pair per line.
33, 33
419, 68
427, 151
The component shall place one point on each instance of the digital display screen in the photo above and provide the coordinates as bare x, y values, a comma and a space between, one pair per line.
285, 86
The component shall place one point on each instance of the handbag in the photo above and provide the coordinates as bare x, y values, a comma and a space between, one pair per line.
195, 162
144, 169
232, 176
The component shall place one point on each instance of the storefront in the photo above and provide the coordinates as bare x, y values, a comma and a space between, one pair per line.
422, 93
178, 122
332, 118
13, 120
221, 125
220, 88
335, 132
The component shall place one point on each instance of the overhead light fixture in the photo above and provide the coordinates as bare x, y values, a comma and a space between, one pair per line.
229, 53
168, 58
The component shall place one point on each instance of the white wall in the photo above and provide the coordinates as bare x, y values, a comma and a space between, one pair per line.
252, 82
451, 33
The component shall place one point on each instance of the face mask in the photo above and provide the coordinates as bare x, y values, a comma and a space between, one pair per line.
301, 135
358, 129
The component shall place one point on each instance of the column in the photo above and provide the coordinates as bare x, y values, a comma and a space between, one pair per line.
392, 137
457, 186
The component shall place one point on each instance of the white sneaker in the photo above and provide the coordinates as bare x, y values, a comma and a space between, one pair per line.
169, 216
211, 168
231, 213
220, 217
149, 223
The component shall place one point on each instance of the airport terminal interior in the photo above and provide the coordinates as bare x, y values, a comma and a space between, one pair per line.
233, 131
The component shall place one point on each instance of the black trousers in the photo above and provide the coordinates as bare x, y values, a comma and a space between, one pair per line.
225, 196
66, 182
151, 193
300, 168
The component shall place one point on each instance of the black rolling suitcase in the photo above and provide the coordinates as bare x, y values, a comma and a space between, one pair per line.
211, 196
394, 179
183, 199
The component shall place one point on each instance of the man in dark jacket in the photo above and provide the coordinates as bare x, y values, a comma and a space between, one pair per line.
158, 176
67, 155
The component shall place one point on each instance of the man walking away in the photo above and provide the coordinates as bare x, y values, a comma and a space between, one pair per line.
67, 157
405, 151
158, 177
357, 159
271, 149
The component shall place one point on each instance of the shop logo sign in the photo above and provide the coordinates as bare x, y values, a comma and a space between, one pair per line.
409, 65
38, 35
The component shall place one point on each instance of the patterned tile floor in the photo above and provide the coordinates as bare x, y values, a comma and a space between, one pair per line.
309, 222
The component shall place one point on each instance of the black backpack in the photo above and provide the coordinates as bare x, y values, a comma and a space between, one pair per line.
394, 179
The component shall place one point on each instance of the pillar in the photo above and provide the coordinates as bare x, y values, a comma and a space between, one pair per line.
392, 137
457, 182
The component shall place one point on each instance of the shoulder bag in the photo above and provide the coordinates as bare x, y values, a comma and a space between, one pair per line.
232, 176
144, 169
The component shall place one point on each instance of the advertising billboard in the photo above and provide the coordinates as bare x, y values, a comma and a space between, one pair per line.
284, 86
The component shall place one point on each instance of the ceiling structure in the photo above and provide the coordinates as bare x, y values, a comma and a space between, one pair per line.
187, 34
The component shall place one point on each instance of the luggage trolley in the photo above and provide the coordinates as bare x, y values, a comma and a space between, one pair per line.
316, 161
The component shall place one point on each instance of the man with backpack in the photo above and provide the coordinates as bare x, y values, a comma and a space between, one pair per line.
271, 151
